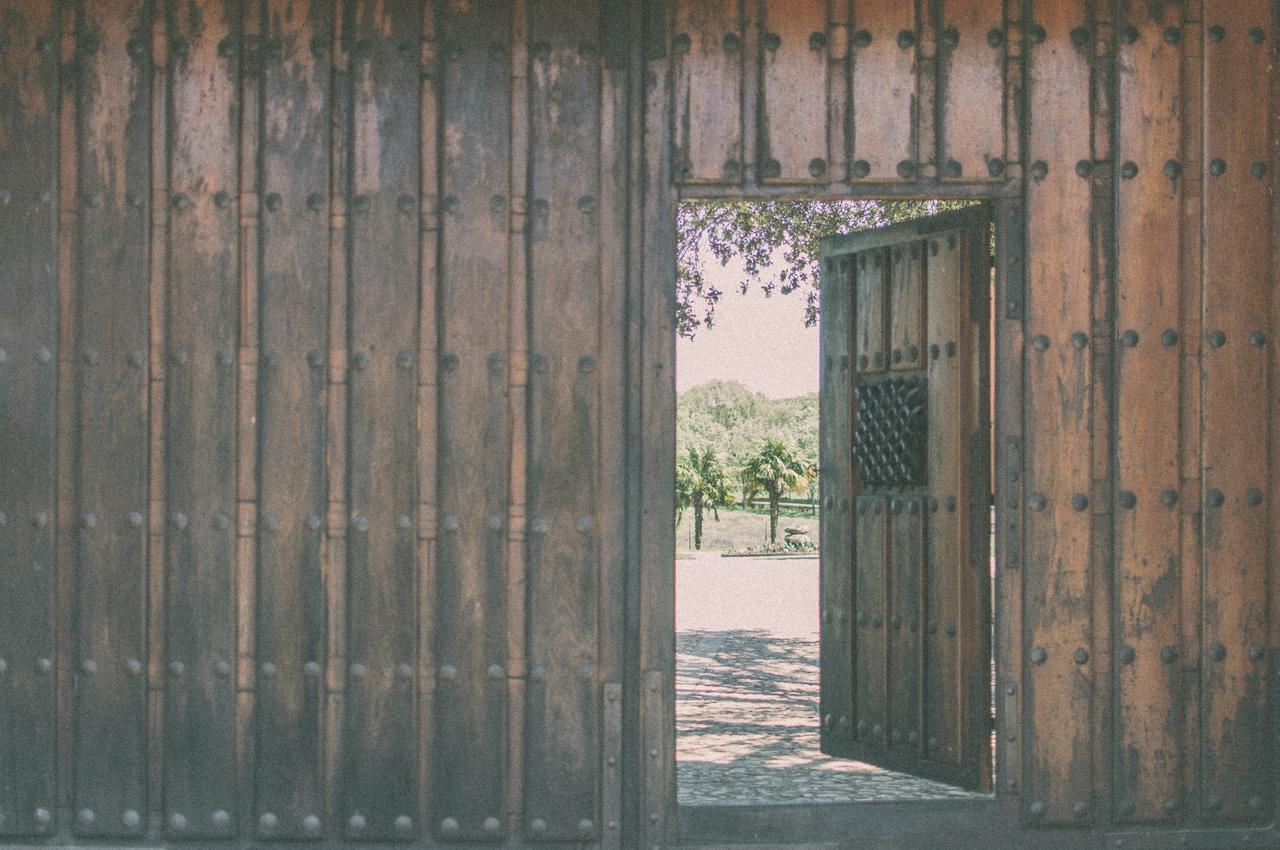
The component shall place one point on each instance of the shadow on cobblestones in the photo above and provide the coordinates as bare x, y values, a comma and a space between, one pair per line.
747, 726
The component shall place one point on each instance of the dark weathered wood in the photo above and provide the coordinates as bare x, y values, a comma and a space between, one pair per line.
707, 64
562, 728
202, 319
379, 789
907, 304
1236, 774
1058, 773
835, 460
793, 81
111, 446
1149, 747
869, 344
947, 537
971, 67
292, 381
871, 626
906, 558
28, 396
470, 734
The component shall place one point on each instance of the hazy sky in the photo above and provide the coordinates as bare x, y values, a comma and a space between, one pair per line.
760, 342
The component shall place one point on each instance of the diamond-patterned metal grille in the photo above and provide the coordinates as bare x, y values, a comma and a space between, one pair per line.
891, 432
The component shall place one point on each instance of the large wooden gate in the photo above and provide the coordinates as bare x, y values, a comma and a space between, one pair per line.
903, 450
336, 401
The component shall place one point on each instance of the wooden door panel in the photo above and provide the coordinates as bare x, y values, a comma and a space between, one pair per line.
916, 404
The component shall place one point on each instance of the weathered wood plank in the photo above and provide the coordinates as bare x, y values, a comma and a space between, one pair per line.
1236, 779
562, 713
200, 420
906, 674
1058, 783
885, 42
379, 789
835, 459
28, 428
869, 312
470, 750
971, 80
904, 348
945, 548
1148, 569
707, 66
111, 449
871, 627
793, 82
293, 339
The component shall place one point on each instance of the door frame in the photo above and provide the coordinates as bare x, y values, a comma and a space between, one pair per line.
981, 818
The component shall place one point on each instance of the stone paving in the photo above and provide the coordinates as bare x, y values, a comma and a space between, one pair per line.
747, 698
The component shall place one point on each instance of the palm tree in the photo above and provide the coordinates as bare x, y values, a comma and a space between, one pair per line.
701, 483
777, 469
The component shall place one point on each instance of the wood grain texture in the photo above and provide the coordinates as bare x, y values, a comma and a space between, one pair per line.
1058, 582
884, 89
907, 306
707, 67
28, 414
835, 459
111, 446
470, 620
793, 81
562, 738
871, 624
906, 657
1150, 699
293, 336
870, 300
971, 81
1236, 779
202, 320
379, 789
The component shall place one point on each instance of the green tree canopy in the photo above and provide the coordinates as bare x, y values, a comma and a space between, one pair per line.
701, 483
777, 469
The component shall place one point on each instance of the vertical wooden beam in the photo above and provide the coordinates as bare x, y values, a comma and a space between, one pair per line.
1147, 575
793, 82
972, 45
1236, 774
885, 44
29, 270
470, 629
1058, 589
707, 67
197, 203
112, 421
293, 335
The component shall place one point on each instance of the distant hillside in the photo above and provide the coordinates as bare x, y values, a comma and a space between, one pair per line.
735, 420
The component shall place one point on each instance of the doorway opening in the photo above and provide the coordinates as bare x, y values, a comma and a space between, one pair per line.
834, 572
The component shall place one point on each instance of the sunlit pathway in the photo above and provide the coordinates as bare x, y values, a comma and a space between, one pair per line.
747, 690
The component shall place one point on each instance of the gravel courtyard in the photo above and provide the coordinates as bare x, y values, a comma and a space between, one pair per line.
747, 690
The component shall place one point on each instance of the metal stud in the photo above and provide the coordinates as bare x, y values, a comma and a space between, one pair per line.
357, 824
1169, 338
1169, 654
1040, 342
1039, 656
861, 168
1217, 32
88, 520
449, 826
1256, 35
268, 670
1257, 339
495, 671
1080, 809
315, 201
40, 519
1172, 169
1079, 340
906, 39
86, 818
492, 824
1253, 497
1079, 502
1129, 34
404, 672
1129, 338
1037, 34
1218, 167
954, 169
1213, 802
1256, 652
1218, 652
403, 824
1038, 502
133, 666
312, 522
43, 816
1217, 339
311, 826
180, 520
1126, 655
448, 672
1081, 656
274, 203
451, 523
1258, 170
950, 37
88, 667
177, 669
1084, 168
1036, 809
817, 167
222, 669
1215, 498
1127, 499
1169, 497
906, 169
1171, 805
177, 822
130, 819
268, 822
311, 669
538, 826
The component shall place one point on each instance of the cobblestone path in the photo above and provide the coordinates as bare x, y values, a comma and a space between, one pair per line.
747, 702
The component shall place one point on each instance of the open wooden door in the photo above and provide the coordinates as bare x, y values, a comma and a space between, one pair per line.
905, 531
